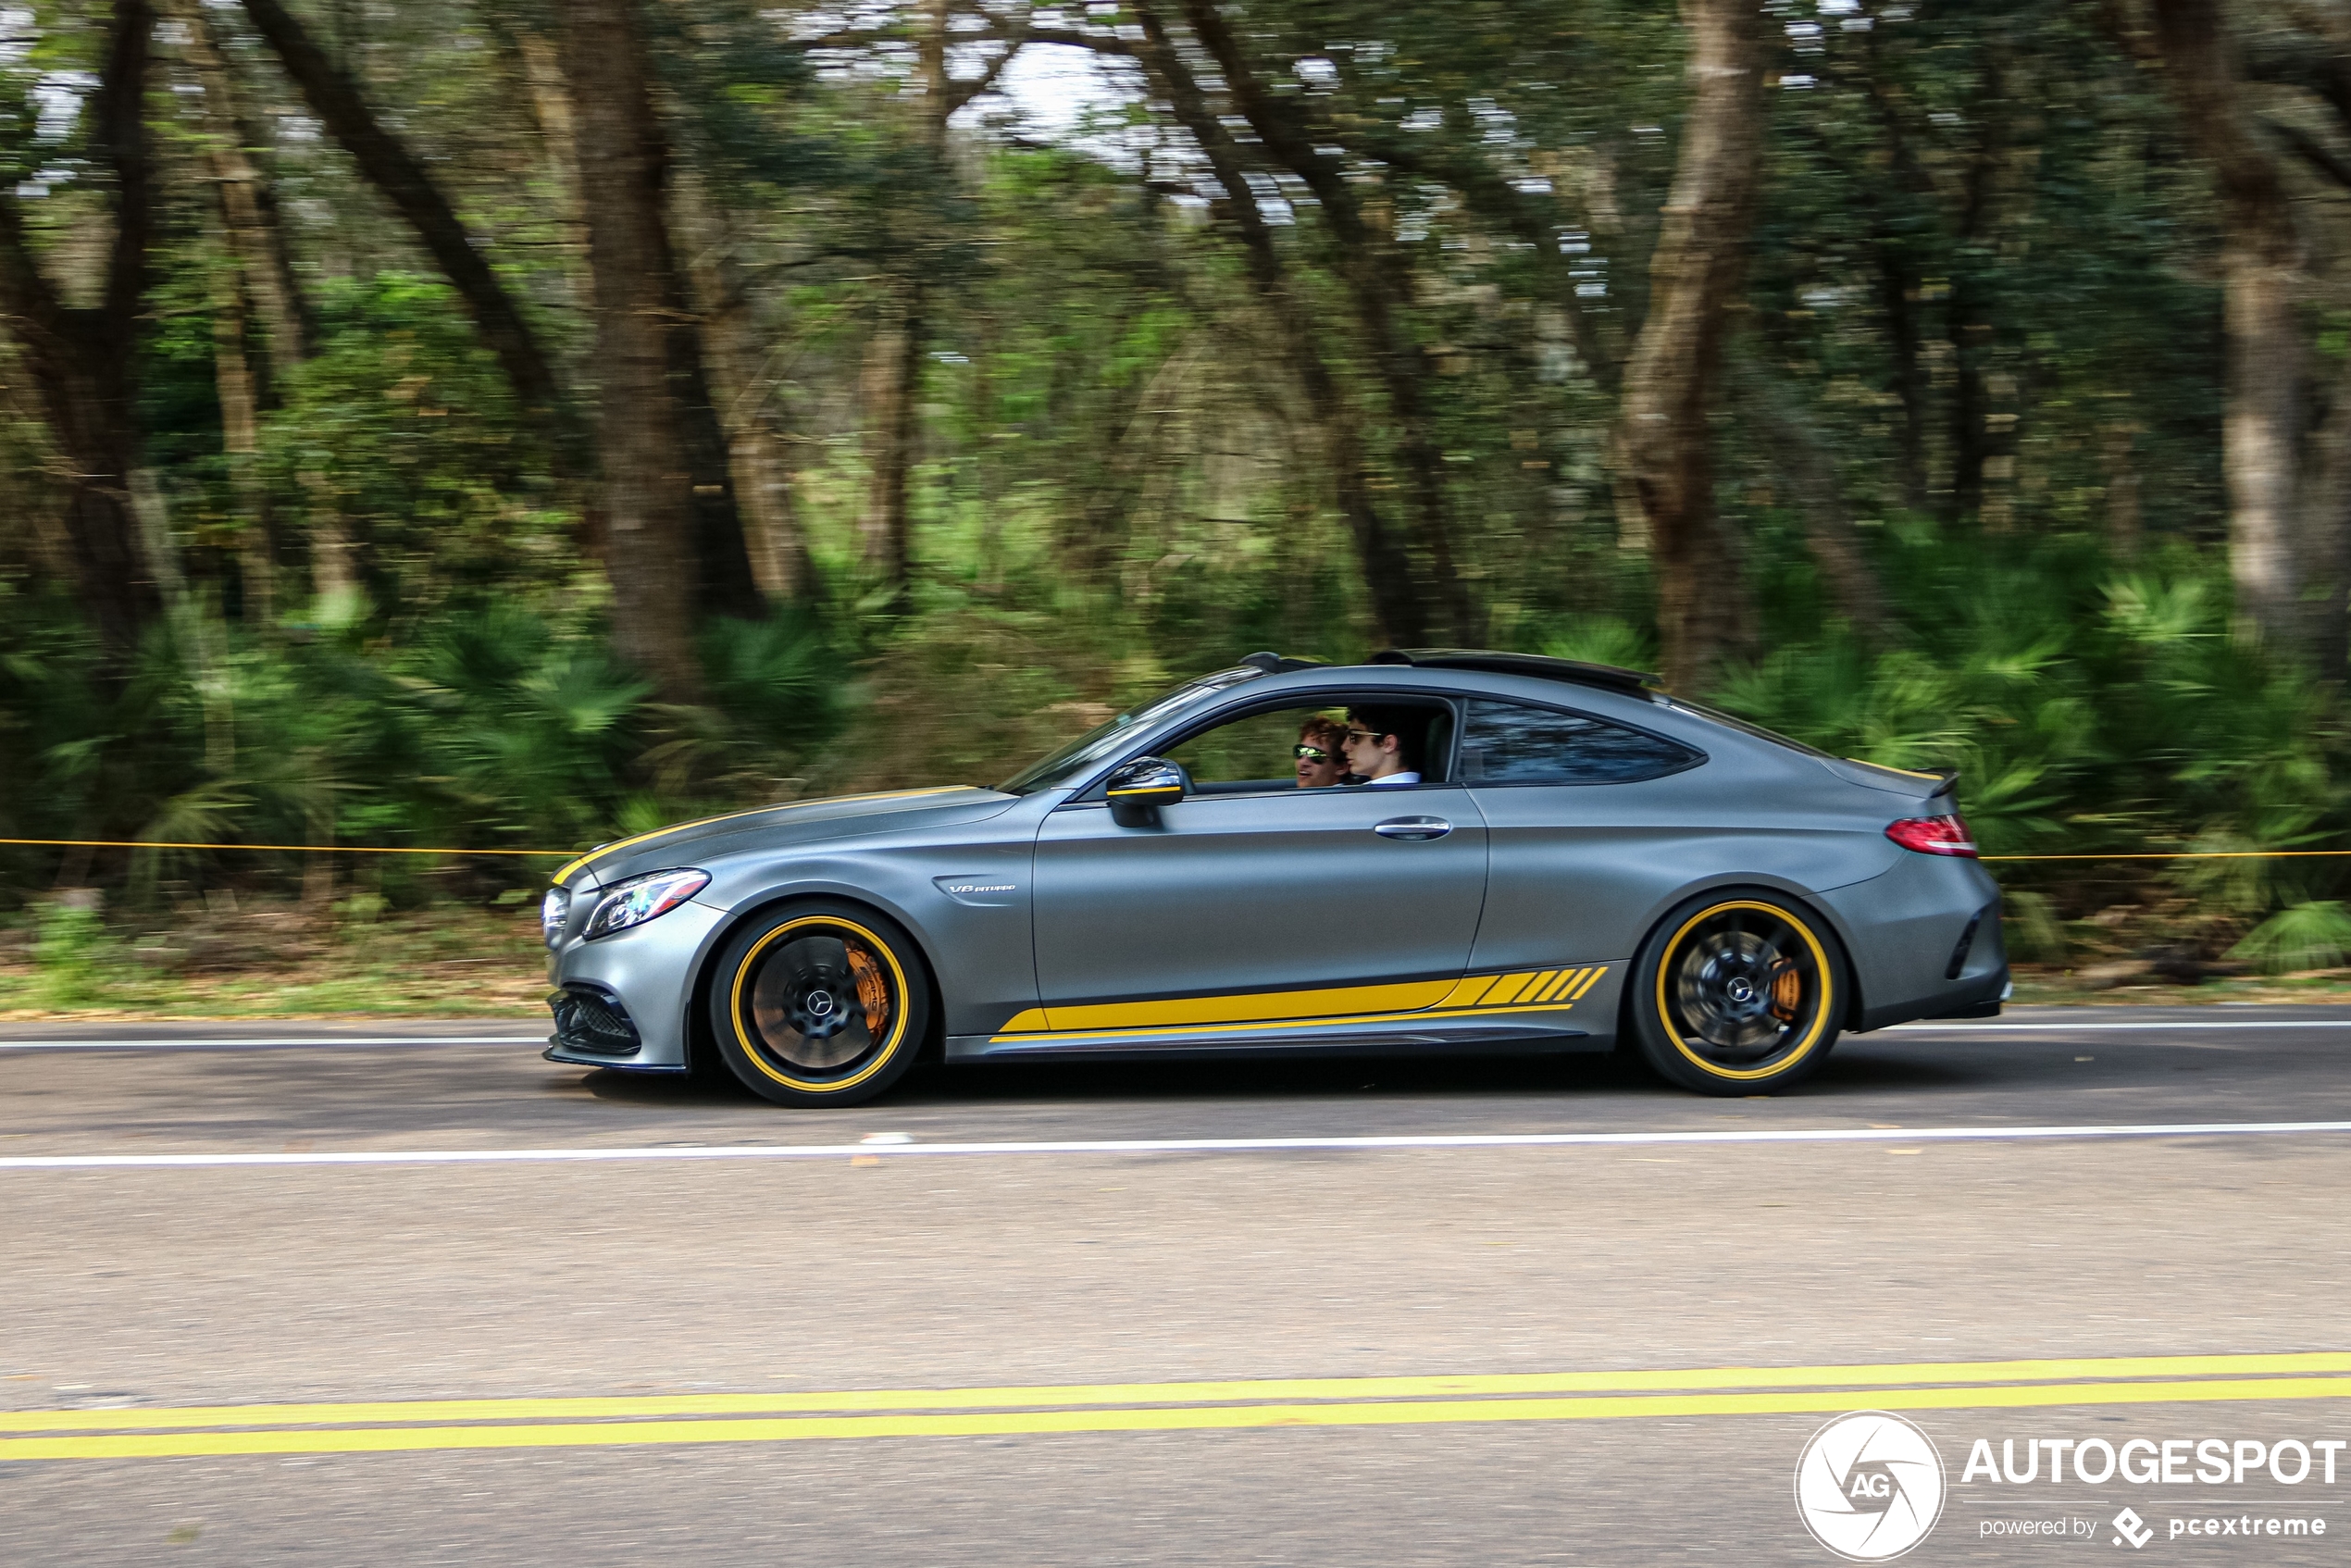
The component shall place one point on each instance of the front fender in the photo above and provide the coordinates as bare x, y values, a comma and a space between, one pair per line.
976, 946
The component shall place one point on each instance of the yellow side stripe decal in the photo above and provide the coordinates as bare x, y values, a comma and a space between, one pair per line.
1344, 1004
1262, 1026
1472, 990
1506, 990
1176, 1012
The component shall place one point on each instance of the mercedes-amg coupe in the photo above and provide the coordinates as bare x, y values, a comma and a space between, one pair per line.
1436, 851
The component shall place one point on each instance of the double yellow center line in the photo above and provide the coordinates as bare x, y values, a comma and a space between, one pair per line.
434, 1425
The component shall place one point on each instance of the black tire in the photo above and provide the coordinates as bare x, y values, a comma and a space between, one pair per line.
1739, 993
820, 1004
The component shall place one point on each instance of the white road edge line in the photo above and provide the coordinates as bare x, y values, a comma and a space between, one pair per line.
267, 1041
1166, 1146
1922, 1027
1930, 1027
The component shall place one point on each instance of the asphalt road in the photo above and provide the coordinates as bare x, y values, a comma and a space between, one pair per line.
805, 1339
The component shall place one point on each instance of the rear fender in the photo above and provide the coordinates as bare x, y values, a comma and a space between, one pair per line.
1806, 902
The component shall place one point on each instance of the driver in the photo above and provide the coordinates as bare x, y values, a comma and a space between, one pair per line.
1384, 745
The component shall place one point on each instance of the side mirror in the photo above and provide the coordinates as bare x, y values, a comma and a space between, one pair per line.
1139, 788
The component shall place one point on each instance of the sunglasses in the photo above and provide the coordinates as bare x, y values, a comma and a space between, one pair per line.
1310, 754
1355, 735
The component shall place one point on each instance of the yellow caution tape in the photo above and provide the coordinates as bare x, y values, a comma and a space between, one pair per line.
293, 848
550, 854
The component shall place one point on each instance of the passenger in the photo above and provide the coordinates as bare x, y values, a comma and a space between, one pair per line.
1321, 741
1384, 745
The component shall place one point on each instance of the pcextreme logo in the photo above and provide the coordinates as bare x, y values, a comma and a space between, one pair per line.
1868, 1485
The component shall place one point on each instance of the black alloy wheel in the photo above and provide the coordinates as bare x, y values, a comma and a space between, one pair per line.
820, 1004
1737, 994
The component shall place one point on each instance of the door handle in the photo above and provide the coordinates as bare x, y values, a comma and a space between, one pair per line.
1412, 827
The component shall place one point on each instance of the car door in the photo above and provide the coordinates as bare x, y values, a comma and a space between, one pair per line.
1253, 885
1592, 821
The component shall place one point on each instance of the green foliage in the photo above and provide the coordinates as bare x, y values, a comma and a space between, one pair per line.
2316, 935
1980, 287
2087, 710
69, 955
498, 728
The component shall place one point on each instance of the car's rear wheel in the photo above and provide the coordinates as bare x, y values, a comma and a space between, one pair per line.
820, 1004
1737, 994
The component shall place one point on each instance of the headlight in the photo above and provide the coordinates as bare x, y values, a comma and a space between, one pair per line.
640, 898
553, 909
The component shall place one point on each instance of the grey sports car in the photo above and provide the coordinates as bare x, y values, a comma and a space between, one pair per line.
1522, 853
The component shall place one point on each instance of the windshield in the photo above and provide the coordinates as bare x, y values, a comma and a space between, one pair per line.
1090, 748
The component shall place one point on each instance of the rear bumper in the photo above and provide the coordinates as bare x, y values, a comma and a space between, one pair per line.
1914, 955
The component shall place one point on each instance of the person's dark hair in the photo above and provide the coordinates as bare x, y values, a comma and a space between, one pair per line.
1410, 726
1326, 732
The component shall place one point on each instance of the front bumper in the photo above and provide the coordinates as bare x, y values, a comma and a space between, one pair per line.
644, 975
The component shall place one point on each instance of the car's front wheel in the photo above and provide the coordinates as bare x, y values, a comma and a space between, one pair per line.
1737, 994
820, 1004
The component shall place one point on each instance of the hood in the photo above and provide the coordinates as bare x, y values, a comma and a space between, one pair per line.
1894, 781
778, 826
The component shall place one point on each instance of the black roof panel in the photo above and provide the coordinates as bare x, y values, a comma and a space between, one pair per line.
1571, 670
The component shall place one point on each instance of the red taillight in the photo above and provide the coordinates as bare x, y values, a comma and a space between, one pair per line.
1933, 835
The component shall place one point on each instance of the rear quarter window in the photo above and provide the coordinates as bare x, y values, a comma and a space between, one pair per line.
1510, 743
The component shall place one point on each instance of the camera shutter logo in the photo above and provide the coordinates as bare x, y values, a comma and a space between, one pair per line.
1869, 1487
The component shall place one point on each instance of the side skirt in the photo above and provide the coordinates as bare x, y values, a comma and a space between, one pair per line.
1534, 1034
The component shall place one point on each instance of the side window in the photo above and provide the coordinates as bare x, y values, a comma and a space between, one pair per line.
1504, 744
1255, 750
1304, 748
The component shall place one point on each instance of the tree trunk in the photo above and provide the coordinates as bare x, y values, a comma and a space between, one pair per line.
1664, 448
248, 204
1897, 277
234, 380
259, 282
893, 378
334, 97
728, 580
1397, 608
773, 540
2325, 547
894, 355
2124, 523
1373, 272
2259, 266
650, 552
725, 583
1802, 456
1970, 332
83, 361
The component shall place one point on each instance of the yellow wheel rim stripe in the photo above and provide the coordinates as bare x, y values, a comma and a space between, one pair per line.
1820, 1017
758, 1057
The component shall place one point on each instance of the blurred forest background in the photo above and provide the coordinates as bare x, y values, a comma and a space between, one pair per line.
512, 423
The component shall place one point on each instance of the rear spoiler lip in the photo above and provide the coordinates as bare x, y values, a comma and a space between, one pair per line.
1923, 788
